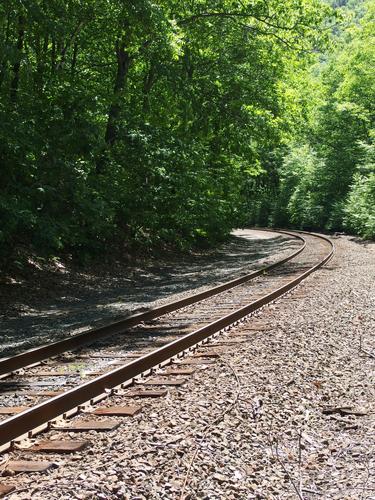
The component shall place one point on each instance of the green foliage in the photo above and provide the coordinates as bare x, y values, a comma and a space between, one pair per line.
144, 123
359, 208
300, 199
326, 180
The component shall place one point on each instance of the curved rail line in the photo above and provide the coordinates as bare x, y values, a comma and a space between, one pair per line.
37, 418
41, 353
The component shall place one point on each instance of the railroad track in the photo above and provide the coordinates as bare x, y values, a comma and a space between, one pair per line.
43, 385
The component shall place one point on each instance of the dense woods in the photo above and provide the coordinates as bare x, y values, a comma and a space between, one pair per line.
327, 177
141, 124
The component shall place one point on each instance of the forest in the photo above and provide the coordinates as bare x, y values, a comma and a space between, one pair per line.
142, 125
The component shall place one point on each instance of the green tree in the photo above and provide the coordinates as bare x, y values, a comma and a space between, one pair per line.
319, 178
141, 123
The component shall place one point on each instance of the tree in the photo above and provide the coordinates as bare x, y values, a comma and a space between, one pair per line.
142, 123
337, 131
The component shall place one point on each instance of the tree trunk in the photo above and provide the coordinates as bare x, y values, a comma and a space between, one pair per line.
4, 62
74, 59
53, 56
149, 80
14, 84
123, 64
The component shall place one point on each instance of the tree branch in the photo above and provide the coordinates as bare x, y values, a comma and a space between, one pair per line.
68, 44
234, 15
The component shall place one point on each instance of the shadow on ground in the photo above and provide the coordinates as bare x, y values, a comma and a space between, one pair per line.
72, 302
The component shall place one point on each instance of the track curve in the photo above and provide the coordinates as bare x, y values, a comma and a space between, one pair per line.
38, 417
41, 353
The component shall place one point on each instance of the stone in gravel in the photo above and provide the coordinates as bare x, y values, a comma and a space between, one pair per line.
220, 478
5, 489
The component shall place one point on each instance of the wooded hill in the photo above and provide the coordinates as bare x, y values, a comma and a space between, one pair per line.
146, 124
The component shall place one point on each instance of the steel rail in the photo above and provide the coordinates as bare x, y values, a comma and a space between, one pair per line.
45, 412
37, 354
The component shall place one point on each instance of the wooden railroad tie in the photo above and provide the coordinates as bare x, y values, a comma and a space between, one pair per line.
144, 393
195, 361
59, 446
88, 425
119, 411
177, 371
18, 466
165, 381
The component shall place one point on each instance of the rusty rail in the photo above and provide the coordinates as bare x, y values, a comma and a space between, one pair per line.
35, 417
37, 354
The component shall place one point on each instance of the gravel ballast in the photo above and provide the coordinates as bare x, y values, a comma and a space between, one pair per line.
287, 412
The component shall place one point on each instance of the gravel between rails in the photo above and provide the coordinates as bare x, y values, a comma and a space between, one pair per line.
252, 425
